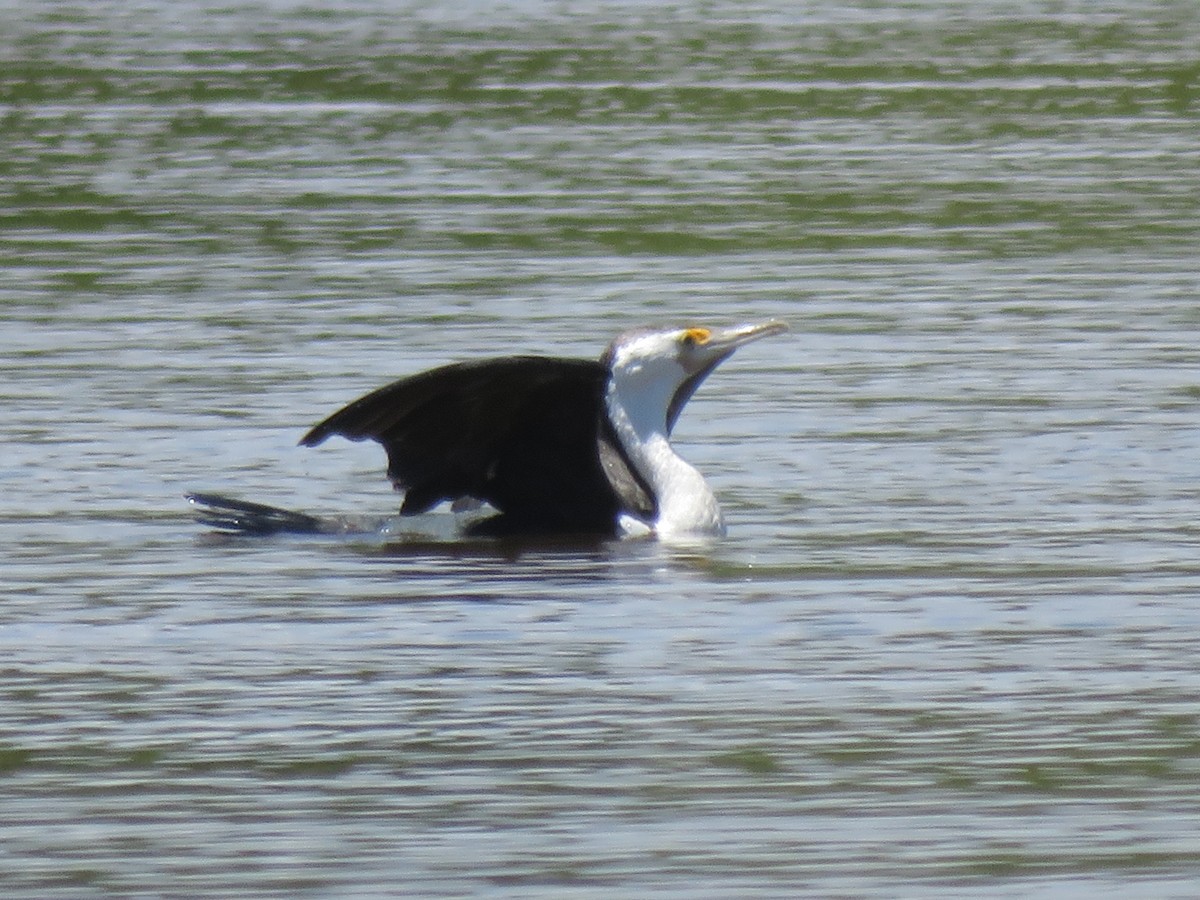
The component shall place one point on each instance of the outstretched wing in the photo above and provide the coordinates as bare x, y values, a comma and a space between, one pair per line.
525, 434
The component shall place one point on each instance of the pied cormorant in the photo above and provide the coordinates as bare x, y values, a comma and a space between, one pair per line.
554, 446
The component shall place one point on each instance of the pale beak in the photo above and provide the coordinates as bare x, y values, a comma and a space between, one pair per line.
722, 342
704, 356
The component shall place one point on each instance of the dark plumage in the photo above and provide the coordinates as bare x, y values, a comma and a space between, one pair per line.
526, 434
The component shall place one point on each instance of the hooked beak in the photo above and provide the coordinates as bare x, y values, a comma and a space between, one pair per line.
720, 343
710, 348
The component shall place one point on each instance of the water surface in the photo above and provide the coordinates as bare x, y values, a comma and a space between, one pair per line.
950, 644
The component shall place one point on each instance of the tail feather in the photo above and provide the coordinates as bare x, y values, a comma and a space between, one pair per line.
232, 516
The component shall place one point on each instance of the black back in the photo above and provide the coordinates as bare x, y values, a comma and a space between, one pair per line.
526, 434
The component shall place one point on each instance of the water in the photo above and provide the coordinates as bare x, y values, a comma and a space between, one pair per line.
950, 644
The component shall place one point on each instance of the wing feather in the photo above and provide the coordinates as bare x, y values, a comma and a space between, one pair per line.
525, 434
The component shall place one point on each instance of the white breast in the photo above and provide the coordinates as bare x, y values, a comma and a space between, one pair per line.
686, 504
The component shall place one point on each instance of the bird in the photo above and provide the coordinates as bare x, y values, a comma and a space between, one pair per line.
554, 446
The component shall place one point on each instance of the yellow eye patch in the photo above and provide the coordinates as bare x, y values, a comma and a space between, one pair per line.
696, 335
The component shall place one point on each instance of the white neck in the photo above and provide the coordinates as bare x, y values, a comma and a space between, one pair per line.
686, 505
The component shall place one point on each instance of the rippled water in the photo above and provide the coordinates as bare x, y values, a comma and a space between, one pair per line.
950, 646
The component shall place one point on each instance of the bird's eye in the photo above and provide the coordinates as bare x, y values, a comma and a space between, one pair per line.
694, 336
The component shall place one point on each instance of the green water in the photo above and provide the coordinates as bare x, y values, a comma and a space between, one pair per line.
950, 645
988, 129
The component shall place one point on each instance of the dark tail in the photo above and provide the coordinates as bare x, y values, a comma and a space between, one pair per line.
241, 517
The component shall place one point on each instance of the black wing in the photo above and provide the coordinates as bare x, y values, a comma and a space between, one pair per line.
526, 434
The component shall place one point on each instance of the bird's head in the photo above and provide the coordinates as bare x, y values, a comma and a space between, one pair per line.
662, 367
